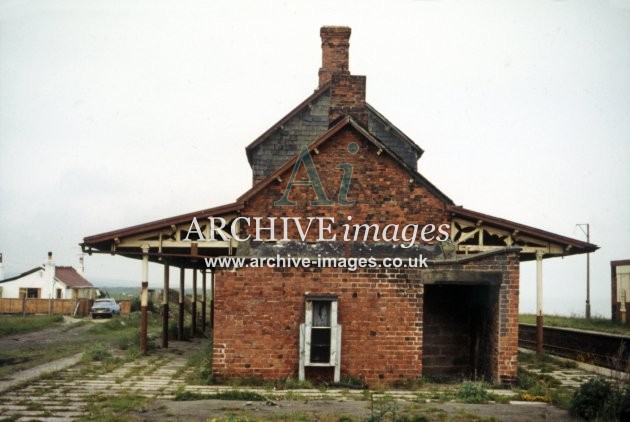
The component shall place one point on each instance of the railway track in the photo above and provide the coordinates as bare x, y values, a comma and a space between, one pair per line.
607, 350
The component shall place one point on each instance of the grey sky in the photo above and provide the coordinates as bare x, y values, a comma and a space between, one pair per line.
118, 113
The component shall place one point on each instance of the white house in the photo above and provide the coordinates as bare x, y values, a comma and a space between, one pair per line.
48, 281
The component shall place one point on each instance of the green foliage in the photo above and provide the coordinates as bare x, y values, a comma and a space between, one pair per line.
383, 407
524, 379
594, 324
202, 361
14, 324
222, 395
472, 392
97, 352
135, 305
112, 408
293, 384
599, 399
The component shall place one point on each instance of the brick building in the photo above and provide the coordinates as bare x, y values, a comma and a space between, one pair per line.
334, 179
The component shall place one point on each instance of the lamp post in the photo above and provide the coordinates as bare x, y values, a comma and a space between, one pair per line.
587, 232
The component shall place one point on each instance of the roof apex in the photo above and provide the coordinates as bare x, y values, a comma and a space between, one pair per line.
341, 123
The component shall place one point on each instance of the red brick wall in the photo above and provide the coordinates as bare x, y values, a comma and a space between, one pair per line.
258, 312
507, 344
380, 187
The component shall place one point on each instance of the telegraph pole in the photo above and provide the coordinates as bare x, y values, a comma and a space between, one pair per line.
587, 232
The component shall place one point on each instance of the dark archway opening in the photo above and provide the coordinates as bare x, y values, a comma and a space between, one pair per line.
460, 336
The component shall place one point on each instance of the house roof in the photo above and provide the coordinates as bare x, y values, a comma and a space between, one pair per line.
24, 274
67, 275
297, 110
71, 278
325, 89
342, 123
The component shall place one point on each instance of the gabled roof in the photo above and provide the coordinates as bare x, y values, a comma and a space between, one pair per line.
24, 274
71, 278
325, 89
297, 110
67, 275
393, 127
344, 122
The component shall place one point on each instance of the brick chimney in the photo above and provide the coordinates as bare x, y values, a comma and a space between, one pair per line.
335, 52
347, 92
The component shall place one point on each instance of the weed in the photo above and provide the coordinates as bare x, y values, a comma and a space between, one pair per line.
382, 407
472, 392
112, 408
202, 362
96, 352
292, 384
222, 395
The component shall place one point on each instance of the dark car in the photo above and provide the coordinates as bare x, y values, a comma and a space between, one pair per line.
105, 308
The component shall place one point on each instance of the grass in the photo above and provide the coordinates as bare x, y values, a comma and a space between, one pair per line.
13, 324
95, 340
594, 324
109, 408
201, 360
222, 395
541, 386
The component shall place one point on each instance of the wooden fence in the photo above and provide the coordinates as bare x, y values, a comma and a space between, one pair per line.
78, 307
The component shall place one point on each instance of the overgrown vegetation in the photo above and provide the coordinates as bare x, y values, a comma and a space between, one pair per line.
540, 386
201, 360
112, 408
599, 399
14, 324
222, 395
594, 324
97, 352
472, 392
119, 333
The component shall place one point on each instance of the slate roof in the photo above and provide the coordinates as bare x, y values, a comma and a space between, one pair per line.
24, 274
306, 123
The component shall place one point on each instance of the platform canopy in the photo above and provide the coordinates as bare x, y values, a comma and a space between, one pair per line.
471, 232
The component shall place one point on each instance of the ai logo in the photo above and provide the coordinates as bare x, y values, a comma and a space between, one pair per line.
314, 181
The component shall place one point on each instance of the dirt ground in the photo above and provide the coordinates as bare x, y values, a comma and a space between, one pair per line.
57, 334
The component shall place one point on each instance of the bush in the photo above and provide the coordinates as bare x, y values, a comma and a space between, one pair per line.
135, 305
471, 392
599, 399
